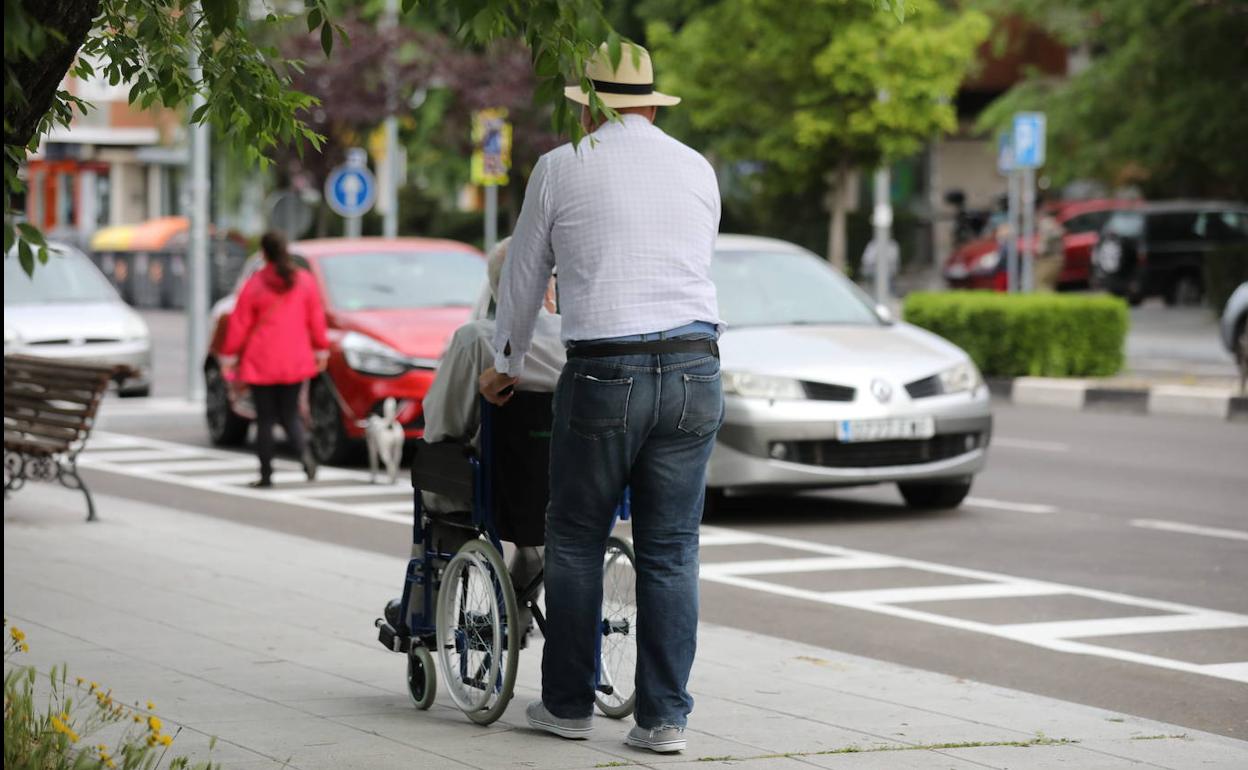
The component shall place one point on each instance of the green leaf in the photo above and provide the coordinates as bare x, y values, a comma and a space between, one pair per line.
408, 5
198, 116
613, 49
327, 39
26, 258
314, 19
32, 234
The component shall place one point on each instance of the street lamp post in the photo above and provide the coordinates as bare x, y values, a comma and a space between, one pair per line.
390, 189
197, 273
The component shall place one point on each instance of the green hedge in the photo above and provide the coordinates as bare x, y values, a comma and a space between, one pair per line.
1041, 335
1225, 270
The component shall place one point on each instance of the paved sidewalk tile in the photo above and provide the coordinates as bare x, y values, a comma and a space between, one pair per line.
266, 641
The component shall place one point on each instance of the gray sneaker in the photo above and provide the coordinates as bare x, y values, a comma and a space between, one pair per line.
662, 740
541, 719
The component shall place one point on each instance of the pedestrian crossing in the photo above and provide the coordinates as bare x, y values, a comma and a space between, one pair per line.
1044, 614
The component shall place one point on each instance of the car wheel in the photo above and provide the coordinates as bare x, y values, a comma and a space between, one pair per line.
1185, 291
225, 428
328, 440
930, 495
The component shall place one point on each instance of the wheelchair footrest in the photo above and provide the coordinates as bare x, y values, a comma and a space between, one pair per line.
392, 640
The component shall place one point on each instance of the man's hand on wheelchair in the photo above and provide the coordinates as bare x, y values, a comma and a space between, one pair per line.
497, 388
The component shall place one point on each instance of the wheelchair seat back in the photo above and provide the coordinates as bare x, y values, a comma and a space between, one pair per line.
515, 442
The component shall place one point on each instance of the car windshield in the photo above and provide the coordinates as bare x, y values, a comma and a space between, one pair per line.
403, 279
67, 277
769, 288
1126, 223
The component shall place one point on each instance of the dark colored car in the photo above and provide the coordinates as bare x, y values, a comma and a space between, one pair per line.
391, 307
1159, 249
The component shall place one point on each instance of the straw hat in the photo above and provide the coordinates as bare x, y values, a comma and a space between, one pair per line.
630, 85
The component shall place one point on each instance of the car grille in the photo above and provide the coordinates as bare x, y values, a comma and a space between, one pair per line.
928, 386
878, 454
822, 391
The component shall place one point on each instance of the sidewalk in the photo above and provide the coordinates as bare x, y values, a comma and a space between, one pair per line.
266, 641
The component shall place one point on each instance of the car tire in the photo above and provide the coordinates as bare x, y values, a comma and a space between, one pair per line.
225, 428
934, 495
1185, 291
327, 437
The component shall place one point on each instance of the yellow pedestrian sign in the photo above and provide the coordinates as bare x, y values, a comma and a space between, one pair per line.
491, 139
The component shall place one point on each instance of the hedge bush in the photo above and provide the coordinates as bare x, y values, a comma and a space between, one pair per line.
1040, 335
1225, 269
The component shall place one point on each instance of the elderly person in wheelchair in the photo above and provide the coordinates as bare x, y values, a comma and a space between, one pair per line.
452, 407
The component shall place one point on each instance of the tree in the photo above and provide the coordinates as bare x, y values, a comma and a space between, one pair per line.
1162, 103
810, 98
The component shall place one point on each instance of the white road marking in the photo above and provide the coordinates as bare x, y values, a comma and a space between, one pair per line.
1023, 443
1005, 505
1060, 636
1190, 529
143, 407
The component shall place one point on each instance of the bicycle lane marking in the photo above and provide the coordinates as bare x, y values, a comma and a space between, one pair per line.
1074, 636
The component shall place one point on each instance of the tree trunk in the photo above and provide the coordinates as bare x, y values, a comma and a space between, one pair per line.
38, 79
838, 184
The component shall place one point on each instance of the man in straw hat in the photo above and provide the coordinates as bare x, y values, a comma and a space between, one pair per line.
629, 217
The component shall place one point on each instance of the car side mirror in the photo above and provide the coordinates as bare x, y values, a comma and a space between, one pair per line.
884, 313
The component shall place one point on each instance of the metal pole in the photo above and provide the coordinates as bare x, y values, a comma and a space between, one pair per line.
1011, 244
882, 220
1029, 229
197, 273
390, 191
354, 227
491, 216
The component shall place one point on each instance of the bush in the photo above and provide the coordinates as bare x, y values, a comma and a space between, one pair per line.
1041, 335
1225, 269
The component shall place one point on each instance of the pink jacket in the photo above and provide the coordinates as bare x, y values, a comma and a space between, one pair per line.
275, 331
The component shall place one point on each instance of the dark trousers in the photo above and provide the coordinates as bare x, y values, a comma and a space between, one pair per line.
274, 404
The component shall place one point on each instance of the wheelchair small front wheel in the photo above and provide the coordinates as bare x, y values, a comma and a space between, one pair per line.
615, 691
477, 636
422, 677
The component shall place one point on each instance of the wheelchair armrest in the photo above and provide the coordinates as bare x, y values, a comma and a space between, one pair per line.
443, 468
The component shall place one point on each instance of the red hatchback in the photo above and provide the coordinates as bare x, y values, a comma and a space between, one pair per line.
391, 306
980, 264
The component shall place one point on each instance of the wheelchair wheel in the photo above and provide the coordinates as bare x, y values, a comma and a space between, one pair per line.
422, 677
617, 663
478, 644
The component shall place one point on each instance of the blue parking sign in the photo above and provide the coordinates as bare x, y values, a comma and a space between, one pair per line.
1028, 136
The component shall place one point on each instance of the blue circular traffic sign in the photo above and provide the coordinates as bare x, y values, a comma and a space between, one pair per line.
350, 190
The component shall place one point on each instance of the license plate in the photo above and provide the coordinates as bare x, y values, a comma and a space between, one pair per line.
915, 428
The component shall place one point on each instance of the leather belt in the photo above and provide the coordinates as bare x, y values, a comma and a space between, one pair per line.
656, 347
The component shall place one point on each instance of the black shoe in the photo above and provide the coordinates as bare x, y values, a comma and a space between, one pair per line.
392, 612
264, 482
309, 464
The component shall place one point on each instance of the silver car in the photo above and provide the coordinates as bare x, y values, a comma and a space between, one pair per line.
822, 389
69, 311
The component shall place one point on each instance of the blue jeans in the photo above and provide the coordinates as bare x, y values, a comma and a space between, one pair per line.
646, 422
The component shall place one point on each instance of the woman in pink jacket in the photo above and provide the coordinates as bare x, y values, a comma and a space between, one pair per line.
275, 342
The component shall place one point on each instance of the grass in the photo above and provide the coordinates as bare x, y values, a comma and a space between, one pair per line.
1039, 740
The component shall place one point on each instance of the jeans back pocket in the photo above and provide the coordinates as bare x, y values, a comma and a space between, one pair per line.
599, 407
704, 404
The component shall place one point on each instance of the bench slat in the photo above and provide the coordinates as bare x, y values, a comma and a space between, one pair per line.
55, 367
42, 429
77, 419
31, 402
32, 445
67, 393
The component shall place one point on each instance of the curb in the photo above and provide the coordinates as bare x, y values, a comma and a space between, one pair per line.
1090, 395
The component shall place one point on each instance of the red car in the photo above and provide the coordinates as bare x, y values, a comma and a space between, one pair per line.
980, 264
391, 306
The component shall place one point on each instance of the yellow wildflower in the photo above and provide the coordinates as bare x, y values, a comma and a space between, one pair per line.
151, 740
102, 747
79, 680
154, 724
137, 718
95, 686
165, 740
24, 647
151, 706
17, 634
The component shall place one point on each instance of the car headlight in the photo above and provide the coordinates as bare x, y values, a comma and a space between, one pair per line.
134, 329
988, 262
750, 385
371, 356
958, 379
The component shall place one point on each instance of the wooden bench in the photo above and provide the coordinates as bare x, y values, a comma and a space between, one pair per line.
49, 410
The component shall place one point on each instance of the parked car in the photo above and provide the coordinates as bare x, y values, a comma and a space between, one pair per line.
981, 264
391, 306
69, 311
822, 389
1158, 249
1235, 330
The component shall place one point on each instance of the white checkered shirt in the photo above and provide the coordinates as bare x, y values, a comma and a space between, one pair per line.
630, 220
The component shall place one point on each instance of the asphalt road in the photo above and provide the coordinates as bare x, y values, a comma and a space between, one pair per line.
1127, 515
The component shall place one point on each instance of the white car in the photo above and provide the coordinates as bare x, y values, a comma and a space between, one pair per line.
69, 311
822, 389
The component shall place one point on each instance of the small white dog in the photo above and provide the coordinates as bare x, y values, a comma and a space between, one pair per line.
384, 436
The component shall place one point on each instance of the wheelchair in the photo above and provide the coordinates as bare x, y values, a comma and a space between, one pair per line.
459, 605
